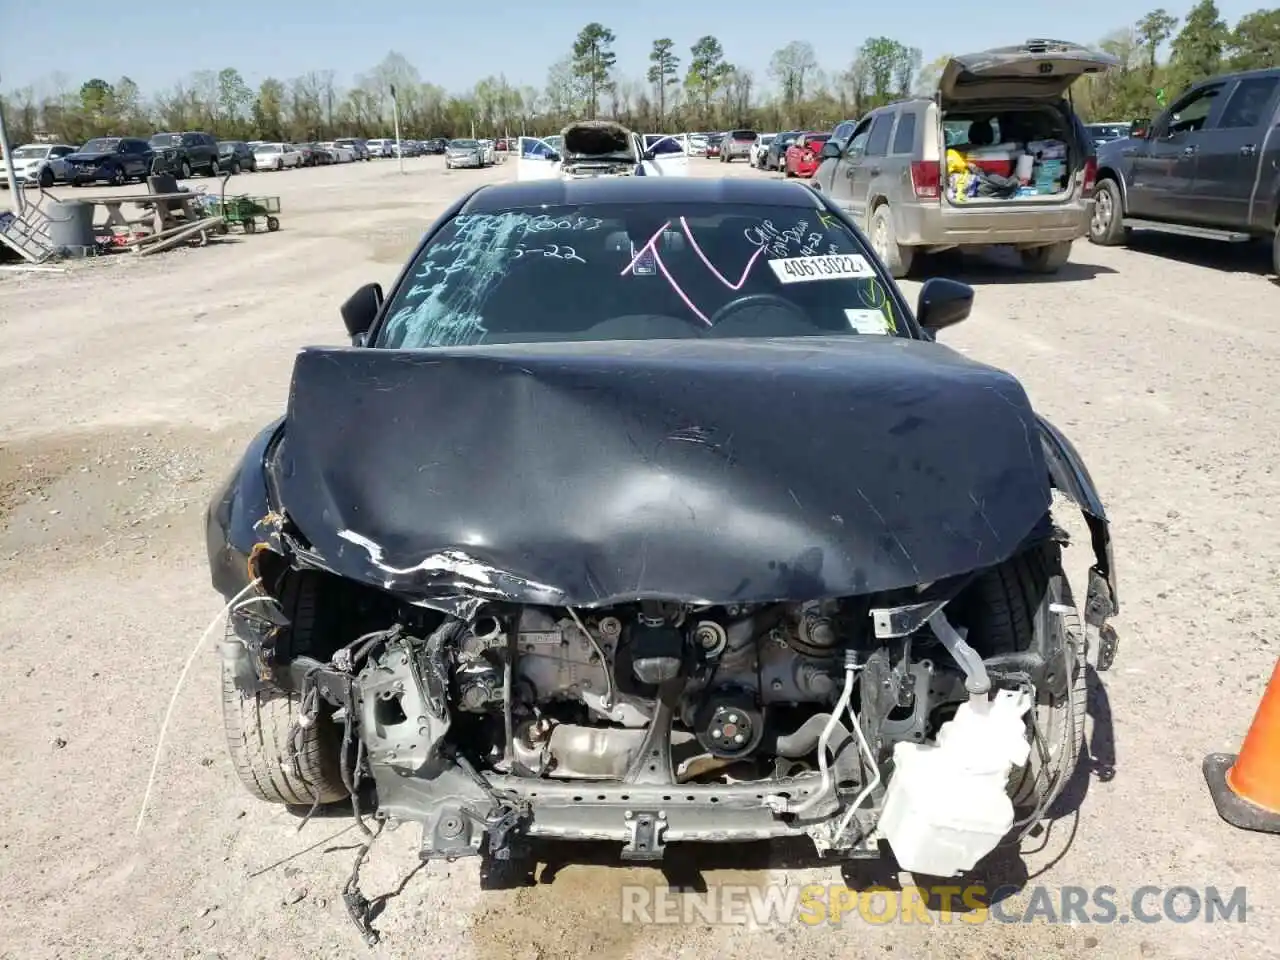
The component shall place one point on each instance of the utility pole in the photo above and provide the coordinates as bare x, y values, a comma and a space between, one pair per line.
395, 115
18, 201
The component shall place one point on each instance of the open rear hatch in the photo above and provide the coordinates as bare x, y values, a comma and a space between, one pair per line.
1038, 69
1008, 135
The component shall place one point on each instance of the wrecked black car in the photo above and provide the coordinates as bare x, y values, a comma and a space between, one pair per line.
648, 511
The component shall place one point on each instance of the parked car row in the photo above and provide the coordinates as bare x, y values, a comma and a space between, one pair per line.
120, 160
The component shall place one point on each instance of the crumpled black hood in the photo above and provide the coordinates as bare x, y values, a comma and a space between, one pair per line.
716, 471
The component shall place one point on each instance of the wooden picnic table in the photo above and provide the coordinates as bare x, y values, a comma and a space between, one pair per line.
161, 209
173, 218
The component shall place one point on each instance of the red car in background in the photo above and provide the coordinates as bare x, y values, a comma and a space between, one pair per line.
713, 144
802, 156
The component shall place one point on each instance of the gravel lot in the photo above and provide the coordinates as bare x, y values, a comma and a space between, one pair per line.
129, 385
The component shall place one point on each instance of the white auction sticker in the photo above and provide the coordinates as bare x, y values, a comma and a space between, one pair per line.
868, 321
832, 267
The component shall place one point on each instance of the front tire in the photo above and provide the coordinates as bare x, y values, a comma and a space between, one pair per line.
257, 727
46, 178
1275, 252
1010, 610
896, 259
184, 170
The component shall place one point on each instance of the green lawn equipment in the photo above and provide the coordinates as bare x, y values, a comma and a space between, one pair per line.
246, 211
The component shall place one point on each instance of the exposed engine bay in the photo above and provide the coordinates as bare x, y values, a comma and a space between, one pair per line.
652, 722
599, 148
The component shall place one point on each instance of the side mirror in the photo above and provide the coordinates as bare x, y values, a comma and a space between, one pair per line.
553, 157
648, 155
943, 303
361, 309
1139, 128
830, 151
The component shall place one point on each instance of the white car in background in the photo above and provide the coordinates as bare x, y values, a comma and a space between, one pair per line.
277, 156
760, 149
382, 147
39, 164
488, 152
599, 148
697, 145
340, 153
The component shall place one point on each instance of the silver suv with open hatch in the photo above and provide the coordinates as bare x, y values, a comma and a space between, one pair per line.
996, 157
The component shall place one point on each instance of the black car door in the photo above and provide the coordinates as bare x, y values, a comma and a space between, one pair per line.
125, 158
139, 158
1164, 169
1227, 169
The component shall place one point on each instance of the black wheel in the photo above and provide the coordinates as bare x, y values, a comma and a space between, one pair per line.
1275, 252
213, 168
46, 178
250, 226
118, 178
273, 224
1106, 226
184, 170
896, 259
1049, 258
1022, 605
235, 167
258, 727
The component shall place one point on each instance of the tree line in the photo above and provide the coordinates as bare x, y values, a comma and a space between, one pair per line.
697, 87
1200, 45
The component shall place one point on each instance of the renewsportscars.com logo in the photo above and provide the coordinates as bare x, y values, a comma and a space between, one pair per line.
835, 904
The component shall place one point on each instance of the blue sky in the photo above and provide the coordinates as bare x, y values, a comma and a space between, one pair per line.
456, 43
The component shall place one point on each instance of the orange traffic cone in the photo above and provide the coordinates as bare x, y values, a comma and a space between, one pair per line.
1246, 788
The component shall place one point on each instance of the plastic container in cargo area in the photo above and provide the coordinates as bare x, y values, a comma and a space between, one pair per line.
997, 160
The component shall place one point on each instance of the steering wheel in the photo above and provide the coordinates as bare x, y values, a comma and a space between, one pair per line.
759, 300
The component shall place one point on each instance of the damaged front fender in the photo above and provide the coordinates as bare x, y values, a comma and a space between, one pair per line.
234, 525
1070, 477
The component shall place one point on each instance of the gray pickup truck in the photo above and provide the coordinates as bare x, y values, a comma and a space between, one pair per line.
1209, 167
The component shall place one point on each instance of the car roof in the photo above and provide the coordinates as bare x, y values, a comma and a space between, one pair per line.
600, 190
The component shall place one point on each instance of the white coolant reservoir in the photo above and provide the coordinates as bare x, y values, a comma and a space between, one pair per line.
947, 805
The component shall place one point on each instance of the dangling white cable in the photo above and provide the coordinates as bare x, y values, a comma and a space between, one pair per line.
164, 727
780, 804
607, 700
866, 791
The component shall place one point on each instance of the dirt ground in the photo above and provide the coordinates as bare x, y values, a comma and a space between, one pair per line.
129, 385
